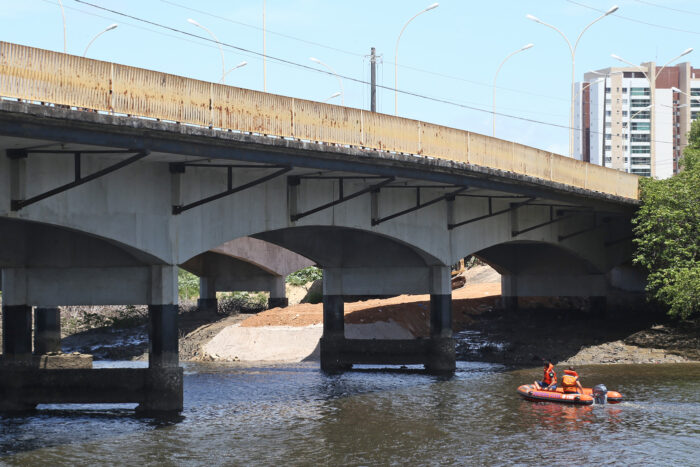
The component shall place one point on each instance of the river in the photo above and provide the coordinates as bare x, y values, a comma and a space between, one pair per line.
294, 414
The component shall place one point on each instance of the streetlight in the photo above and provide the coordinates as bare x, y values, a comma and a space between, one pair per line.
572, 49
223, 65
242, 64
683, 92
396, 57
525, 47
340, 81
63, 15
108, 28
333, 96
685, 52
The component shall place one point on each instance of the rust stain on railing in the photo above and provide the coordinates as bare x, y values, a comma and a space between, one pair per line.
40, 75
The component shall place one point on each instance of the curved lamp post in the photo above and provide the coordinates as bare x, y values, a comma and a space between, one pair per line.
108, 28
221, 50
63, 15
396, 56
333, 96
240, 65
525, 47
340, 81
572, 49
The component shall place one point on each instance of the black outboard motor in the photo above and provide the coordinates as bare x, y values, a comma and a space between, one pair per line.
600, 394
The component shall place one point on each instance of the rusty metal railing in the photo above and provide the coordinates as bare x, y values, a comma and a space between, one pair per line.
40, 75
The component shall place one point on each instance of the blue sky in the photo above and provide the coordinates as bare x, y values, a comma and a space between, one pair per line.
450, 53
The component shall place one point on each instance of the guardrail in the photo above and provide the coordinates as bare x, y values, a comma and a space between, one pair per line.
40, 75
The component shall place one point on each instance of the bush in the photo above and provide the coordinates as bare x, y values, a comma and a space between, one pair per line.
667, 234
187, 285
304, 276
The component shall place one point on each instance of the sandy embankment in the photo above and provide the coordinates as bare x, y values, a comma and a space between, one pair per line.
291, 334
521, 338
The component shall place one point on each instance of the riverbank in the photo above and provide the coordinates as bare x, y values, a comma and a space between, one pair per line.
484, 332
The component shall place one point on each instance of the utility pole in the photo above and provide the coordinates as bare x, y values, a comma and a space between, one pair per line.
373, 80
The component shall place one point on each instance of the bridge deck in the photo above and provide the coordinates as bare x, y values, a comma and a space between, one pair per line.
37, 75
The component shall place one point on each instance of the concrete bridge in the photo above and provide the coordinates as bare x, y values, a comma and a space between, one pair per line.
113, 176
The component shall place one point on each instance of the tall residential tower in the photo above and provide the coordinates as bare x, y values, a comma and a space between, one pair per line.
636, 119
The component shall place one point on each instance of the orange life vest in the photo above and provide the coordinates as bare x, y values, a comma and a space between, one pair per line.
568, 381
549, 375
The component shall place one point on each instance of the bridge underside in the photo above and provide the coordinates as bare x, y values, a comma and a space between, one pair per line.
98, 209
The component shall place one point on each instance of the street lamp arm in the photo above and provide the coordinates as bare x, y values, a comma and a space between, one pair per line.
108, 28
340, 81
610, 11
498, 70
242, 64
685, 52
396, 56
218, 43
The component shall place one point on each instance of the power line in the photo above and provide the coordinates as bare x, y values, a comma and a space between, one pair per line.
316, 70
252, 54
670, 28
240, 23
668, 7
336, 49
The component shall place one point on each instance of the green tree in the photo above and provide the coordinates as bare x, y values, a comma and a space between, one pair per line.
667, 233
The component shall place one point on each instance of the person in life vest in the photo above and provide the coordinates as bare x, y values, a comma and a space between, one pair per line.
570, 382
549, 380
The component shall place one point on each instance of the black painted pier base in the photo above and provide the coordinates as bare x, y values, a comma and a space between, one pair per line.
156, 389
277, 302
207, 304
47, 330
16, 334
436, 353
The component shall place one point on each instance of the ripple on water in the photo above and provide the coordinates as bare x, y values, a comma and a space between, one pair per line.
294, 414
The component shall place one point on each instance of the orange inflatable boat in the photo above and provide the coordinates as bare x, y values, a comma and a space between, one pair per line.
599, 395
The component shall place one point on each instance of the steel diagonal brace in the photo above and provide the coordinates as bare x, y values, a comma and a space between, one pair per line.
18, 204
513, 207
342, 199
231, 189
419, 206
515, 233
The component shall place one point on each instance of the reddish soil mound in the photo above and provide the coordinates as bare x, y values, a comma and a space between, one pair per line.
412, 311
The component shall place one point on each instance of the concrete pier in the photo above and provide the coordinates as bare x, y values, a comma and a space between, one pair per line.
47, 330
16, 333
436, 353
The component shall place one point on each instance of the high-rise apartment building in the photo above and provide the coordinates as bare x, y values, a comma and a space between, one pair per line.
636, 119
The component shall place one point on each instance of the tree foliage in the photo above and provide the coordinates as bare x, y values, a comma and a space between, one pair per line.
667, 233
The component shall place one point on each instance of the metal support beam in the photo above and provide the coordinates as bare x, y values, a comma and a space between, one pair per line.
418, 205
551, 220
513, 207
619, 240
582, 231
342, 198
230, 189
17, 204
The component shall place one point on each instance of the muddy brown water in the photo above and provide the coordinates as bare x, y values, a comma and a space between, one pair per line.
296, 415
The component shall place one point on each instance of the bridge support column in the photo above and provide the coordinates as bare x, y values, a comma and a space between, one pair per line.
584, 292
436, 353
47, 330
16, 319
441, 356
333, 336
164, 380
16, 334
207, 294
278, 293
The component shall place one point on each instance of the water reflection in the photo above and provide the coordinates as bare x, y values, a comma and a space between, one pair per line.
294, 414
